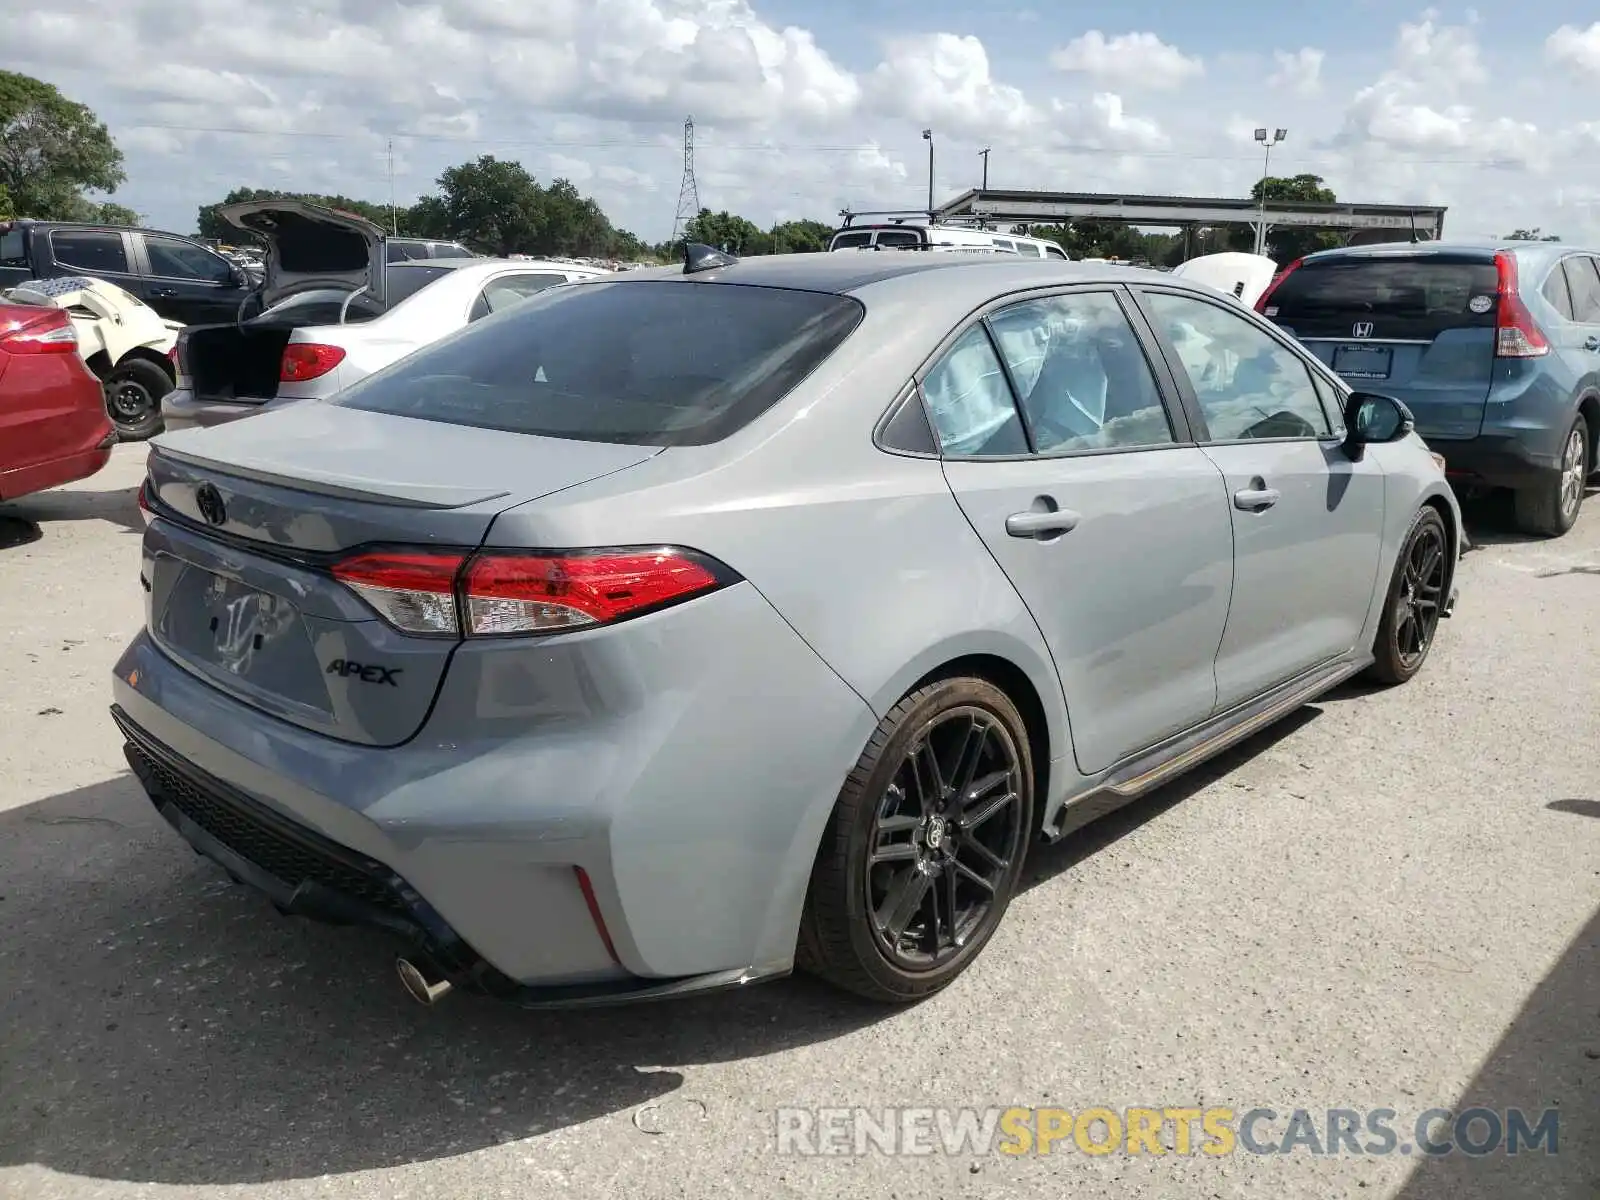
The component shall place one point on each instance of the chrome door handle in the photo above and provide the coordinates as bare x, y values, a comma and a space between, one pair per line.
1256, 499
1042, 524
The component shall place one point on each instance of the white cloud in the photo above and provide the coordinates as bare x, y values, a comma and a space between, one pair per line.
1127, 61
1298, 71
1574, 47
800, 121
944, 80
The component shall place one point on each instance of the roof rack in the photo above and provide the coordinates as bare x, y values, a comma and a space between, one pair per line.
911, 216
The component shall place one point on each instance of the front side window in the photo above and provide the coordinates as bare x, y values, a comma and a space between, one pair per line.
645, 362
1080, 373
91, 251
174, 258
1249, 386
970, 402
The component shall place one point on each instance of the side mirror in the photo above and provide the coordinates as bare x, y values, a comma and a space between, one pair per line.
1371, 419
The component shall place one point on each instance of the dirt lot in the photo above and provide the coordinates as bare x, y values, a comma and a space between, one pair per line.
1391, 901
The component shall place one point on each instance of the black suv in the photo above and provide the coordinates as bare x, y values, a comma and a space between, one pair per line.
179, 277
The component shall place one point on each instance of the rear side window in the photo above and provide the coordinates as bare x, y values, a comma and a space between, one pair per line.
1555, 291
1585, 285
12, 252
1404, 298
90, 251
899, 239
647, 362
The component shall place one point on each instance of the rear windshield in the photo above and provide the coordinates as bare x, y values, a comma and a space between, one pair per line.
846, 241
645, 362
1411, 298
405, 281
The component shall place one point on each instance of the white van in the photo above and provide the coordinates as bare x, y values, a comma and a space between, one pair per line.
942, 237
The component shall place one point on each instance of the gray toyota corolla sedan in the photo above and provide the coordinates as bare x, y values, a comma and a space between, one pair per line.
666, 633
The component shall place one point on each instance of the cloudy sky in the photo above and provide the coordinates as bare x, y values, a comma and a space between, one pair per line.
806, 106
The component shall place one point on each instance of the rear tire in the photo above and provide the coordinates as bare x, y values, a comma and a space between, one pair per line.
133, 398
1415, 601
1550, 508
925, 845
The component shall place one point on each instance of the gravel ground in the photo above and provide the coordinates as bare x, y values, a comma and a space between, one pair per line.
1390, 901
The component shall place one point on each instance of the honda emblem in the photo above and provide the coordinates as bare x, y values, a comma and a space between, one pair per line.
1362, 329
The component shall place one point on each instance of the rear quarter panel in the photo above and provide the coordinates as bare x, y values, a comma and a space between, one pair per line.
1410, 480
865, 553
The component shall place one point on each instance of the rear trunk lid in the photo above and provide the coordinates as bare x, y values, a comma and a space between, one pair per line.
309, 246
240, 582
1414, 323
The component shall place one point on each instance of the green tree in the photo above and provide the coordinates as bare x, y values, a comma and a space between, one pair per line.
6, 210
729, 232
492, 204
1285, 245
1532, 235
801, 237
51, 148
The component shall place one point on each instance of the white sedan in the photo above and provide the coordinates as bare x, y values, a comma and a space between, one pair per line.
317, 342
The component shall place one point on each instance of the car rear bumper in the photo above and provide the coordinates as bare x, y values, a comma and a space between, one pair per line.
1493, 461
182, 409
692, 812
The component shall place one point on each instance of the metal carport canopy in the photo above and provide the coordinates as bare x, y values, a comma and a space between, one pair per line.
1033, 206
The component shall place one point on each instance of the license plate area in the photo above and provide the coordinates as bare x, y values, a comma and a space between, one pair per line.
247, 639
1363, 362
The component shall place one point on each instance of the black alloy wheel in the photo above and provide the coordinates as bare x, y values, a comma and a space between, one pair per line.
925, 845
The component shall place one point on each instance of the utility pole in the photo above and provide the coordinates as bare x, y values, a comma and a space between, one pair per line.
688, 190
984, 154
1266, 169
394, 216
927, 136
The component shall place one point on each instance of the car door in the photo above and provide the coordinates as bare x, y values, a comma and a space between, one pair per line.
503, 291
1306, 520
185, 282
1085, 485
98, 253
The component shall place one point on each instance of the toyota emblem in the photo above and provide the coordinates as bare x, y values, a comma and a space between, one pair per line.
1362, 329
209, 501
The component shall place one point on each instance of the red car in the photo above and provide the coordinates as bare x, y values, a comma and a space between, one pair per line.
53, 422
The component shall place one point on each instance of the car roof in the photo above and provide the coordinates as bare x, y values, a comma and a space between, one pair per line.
464, 264
844, 273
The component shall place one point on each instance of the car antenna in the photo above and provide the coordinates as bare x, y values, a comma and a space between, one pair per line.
699, 257
1414, 238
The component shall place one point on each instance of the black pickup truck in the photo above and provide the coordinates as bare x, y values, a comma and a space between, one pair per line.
179, 277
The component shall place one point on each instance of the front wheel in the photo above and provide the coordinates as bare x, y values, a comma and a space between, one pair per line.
925, 845
133, 398
1415, 602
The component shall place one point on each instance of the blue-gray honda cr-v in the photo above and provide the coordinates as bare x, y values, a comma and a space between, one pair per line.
1494, 348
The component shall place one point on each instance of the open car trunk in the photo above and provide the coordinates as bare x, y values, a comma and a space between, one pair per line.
243, 571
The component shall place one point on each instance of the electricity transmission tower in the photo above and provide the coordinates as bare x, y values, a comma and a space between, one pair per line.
688, 192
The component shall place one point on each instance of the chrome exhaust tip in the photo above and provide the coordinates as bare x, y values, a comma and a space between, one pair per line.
417, 985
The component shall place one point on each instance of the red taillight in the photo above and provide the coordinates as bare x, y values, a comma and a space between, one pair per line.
496, 594
1261, 303
143, 496
513, 593
1517, 335
303, 361
40, 331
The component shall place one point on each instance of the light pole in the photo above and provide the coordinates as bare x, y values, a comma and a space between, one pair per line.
927, 136
984, 154
1266, 167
